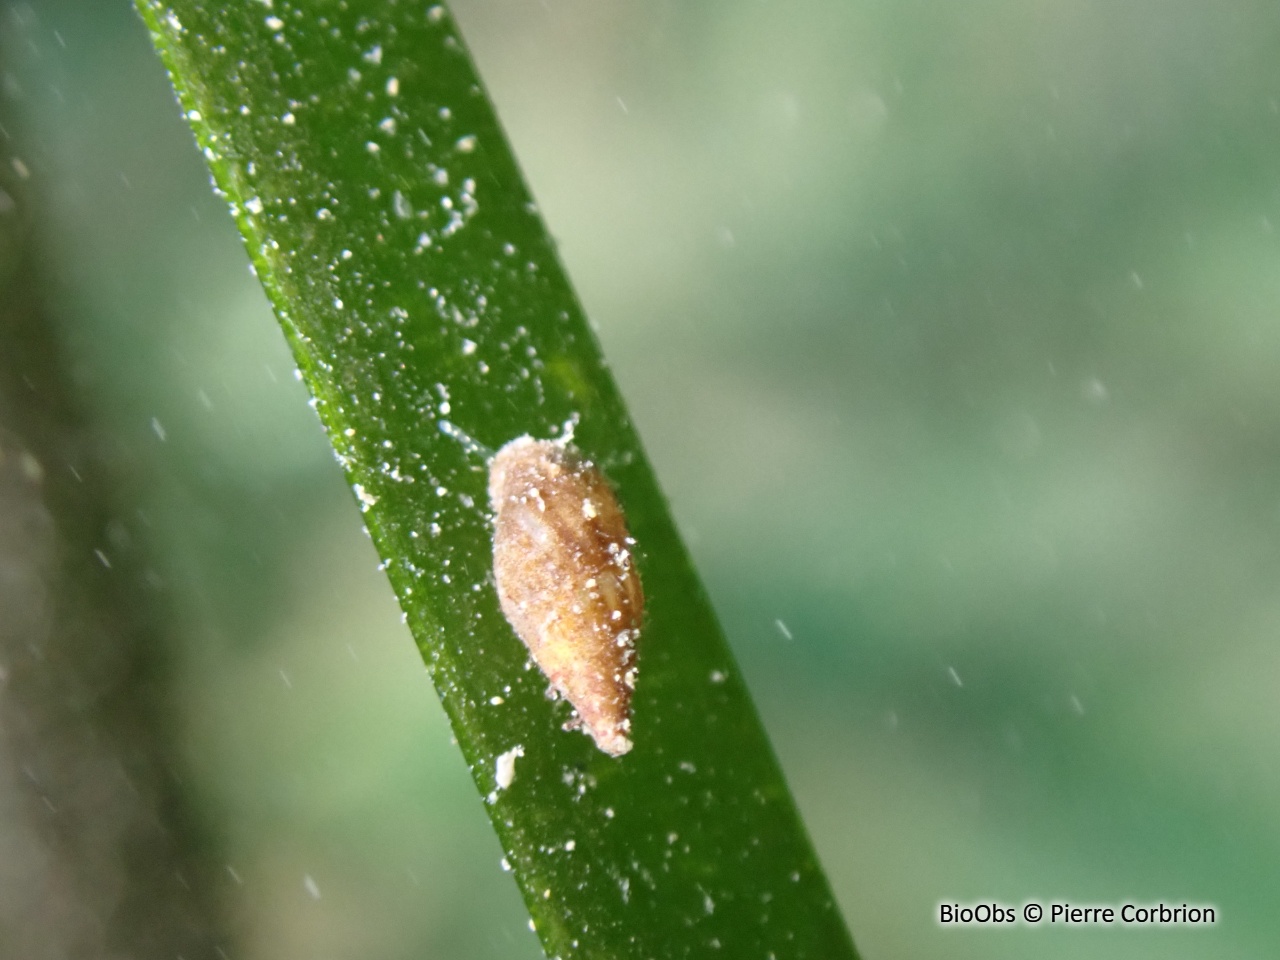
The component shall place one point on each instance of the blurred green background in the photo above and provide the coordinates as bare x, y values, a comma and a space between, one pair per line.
954, 333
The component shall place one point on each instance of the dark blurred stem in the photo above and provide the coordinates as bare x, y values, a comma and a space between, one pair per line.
100, 855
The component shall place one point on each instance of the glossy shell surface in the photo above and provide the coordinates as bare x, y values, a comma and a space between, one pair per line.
565, 570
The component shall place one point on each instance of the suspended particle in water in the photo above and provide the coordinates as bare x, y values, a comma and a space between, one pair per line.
564, 566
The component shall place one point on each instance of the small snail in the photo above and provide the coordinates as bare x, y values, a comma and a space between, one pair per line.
567, 582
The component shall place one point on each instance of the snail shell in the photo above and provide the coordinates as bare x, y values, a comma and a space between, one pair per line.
564, 566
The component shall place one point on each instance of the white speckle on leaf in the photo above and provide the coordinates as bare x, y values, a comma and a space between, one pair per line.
504, 768
466, 144
312, 888
782, 629
366, 498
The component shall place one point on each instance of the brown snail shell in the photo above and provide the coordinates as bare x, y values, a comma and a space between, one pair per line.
565, 571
